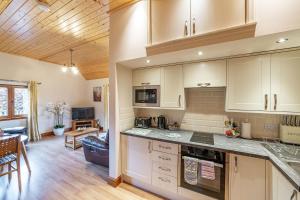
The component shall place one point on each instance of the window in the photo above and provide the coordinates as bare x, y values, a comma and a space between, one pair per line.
14, 102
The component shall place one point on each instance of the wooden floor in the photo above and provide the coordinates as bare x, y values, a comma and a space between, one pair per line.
59, 173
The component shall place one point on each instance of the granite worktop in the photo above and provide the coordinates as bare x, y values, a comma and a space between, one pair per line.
241, 146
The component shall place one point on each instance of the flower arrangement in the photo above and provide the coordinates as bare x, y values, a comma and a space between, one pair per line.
58, 110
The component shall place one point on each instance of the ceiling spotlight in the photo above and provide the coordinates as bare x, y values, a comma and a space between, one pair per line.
200, 53
64, 69
282, 40
43, 5
147, 61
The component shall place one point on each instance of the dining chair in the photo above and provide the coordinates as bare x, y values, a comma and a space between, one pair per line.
10, 151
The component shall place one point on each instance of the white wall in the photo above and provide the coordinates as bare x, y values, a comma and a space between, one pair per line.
56, 86
99, 106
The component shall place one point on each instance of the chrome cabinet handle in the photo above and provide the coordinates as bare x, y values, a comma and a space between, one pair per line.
294, 195
164, 147
207, 84
179, 100
186, 28
164, 169
275, 101
163, 158
235, 164
146, 83
199, 84
149, 147
194, 26
164, 179
203, 84
266, 101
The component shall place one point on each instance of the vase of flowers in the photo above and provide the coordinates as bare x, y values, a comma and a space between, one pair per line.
58, 110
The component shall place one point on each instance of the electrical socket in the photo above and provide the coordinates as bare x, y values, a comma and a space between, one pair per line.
270, 127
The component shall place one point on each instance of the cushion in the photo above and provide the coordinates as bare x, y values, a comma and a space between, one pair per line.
94, 142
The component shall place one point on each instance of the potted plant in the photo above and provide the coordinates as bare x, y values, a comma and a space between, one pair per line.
58, 110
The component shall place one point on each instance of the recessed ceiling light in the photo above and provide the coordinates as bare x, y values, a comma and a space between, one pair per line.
200, 53
282, 40
147, 61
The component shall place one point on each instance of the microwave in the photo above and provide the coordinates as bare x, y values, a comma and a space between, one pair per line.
146, 96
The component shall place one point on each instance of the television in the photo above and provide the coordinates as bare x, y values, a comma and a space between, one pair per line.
83, 113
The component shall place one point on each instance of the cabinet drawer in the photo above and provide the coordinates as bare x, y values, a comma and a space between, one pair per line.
165, 182
170, 170
165, 147
164, 158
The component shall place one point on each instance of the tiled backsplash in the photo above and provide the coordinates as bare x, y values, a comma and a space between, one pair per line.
205, 111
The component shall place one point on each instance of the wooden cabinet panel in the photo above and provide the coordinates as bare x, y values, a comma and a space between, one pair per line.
172, 92
247, 178
285, 81
205, 74
168, 19
212, 15
149, 76
134, 152
248, 84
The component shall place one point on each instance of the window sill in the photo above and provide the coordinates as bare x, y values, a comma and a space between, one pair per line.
11, 119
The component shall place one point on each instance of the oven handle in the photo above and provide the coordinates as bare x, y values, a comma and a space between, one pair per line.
199, 161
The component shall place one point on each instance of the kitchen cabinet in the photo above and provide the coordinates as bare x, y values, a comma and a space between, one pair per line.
172, 91
136, 158
205, 74
185, 18
170, 20
212, 15
247, 178
146, 76
285, 81
281, 188
248, 84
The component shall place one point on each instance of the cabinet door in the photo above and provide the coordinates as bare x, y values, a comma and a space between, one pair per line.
134, 152
211, 15
247, 178
150, 76
168, 19
205, 74
248, 84
172, 92
285, 81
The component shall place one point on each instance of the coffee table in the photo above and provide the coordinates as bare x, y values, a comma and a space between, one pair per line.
72, 137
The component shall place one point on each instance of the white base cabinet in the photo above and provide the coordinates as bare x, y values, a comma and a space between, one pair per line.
247, 178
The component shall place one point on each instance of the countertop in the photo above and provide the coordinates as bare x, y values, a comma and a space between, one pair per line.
241, 146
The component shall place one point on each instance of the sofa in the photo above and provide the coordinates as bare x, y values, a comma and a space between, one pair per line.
96, 149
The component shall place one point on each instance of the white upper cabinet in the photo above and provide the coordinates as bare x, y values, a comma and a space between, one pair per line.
148, 76
247, 178
212, 15
205, 74
172, 91
285, 82
248, 84
170, 19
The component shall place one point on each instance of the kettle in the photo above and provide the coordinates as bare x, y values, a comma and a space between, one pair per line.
161, 122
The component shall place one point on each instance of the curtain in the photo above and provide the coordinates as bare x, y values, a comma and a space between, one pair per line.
33, 127
105, 102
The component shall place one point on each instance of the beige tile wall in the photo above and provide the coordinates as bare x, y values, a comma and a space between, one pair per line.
205, 111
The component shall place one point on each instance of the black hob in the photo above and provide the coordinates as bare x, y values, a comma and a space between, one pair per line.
205, 138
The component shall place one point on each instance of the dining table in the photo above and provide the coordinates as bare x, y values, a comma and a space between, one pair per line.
23, 138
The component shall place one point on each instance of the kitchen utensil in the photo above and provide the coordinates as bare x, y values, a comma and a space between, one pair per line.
246, 130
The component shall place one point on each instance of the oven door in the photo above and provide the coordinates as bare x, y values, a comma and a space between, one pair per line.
146, 96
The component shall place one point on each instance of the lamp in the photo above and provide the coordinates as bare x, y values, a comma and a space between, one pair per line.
72, 66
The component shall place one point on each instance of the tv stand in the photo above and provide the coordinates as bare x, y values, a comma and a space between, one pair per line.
83, 123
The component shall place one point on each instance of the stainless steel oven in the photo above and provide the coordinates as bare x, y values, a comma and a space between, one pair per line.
146, 96
210, 187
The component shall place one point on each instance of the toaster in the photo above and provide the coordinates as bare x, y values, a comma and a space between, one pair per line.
142, 122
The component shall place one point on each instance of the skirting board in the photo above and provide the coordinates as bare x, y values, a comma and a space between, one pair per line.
114, 181
50, 133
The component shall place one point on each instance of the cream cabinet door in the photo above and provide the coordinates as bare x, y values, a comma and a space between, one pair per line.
247, 178
172, 92
248, 84
285, 82
211, 15
205, 74
168, 19
136, 158
148, 76
281, 188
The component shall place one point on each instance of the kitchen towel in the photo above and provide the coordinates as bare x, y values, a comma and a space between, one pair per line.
190, 170
207, 169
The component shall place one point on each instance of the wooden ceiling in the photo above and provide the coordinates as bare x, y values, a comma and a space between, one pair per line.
81, 25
